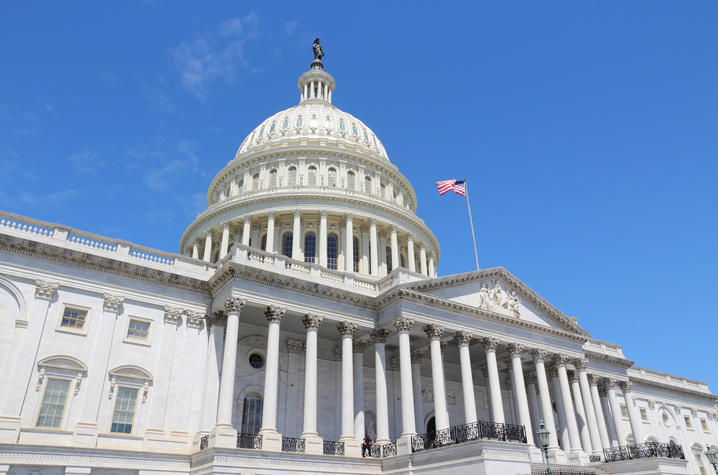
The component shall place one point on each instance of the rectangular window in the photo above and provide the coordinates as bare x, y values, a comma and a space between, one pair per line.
704, 424
53, 403
73, 318
624, 411
688, 422
644, 415
124, 411
138, 330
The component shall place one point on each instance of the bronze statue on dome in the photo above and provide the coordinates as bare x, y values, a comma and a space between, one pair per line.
318, 51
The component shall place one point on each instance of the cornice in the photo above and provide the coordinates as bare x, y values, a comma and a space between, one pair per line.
674, 389
621, 362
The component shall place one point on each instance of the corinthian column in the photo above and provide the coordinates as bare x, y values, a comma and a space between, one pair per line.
224, 243
323, 237
349, 245
382, 402
633, 415
573, 436
581, 365
207, 247
312, 442
246, 230
441, 415
416, 357
467, 379
373, 248
394, 249
581, 413
271, 439
270, 232
497, 407
517, 374
359, 428
351, 445
403, 326
616, 411
410, 253
297, 235
600, 419
546, 408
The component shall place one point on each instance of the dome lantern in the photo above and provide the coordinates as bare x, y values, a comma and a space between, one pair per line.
316, 84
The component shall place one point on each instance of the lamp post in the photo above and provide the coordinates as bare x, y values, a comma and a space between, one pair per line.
542, 435
712, 457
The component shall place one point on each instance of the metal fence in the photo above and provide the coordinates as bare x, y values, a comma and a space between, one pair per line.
647, 450
382, 451
249, 441
559, 471
332, 447
467, 432
292, 444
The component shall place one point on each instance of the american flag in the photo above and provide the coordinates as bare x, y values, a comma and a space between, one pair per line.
445, 186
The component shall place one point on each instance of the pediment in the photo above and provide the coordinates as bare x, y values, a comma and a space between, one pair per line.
64, 362
131, 372
497, 291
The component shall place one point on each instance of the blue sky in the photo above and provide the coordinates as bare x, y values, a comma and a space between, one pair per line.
588, 132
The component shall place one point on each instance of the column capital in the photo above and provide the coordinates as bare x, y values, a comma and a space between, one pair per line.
393, 229
372, 222
463, 338
594, 379
297, 213
323, 213
490, 343
234, 305
217, 318
539, 354
626, 386
247, 219
274, 313
572, 376
311, 321
173, 315
602, 391
561, 359
416, 356
516, 349
112, 303
208, 234
434, 332
346, 329
271, 214
225, 225
530, 378
358, 346
552, 370
195, 319
379, 335
410, 238
403, 324
45, 290
349, 217
611, 383
581, 364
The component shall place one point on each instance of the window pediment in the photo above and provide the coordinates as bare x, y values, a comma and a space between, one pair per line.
131, 372
63, 362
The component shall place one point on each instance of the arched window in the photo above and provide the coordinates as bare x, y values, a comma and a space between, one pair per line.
367, 185
310, 247
287, 244
332, 250
355, 253
388, 260
255, 181
273, 178
351, 180
252, 413
264, 243
332, 177
312, 176
292, 176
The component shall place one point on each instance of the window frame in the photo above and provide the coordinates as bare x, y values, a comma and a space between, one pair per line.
624, 412
242, 425
74, 330
284, 243
335, 258
65, 404
134, 409
644, 415
136, 341
307, 258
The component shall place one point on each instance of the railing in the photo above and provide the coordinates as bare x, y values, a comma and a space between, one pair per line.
95, 242
298, 266
332, 447
640, 451
383, 450
261, 256
559, 471
27, 225
292, 444
204, 442
594, 458
249, 441
464, 433
152, 256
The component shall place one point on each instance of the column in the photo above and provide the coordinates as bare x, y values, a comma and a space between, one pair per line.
517, 379
616, 411
224, 434
546, 409
497, 407
297, 235
382, 401
441, 415
580, 413
573, 435
403, 326
313, 444
364, 249
213, 368
633, 415
224, 244
606, 406
410, 253
270, 231
422, 259
359, 428
561, 425
467, 379
351, 444
581, 365
195, 250
373, 248
207, 247
432, 271
530, 380
598, 410
271, 438
416, 357
349, 245
394, 249
323, 238
247, 230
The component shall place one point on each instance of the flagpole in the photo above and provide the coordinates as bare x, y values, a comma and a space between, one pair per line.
471, 221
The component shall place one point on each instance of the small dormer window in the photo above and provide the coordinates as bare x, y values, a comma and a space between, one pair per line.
354, 129
285, 124
299, 121
366, 137
341, 126
271, 129
261, 132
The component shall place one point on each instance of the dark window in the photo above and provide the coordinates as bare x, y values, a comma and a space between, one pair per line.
252, 413
332, 251
356, 253
287, 244
310, 247
388, 260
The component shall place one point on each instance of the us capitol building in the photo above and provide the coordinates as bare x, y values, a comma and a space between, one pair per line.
302, 312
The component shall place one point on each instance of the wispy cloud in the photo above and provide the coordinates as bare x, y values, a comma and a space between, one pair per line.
185, 161
87, 162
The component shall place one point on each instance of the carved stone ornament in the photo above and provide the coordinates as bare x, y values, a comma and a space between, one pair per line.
497, 300
395, 363
530, 378
295, 346
311, 321
490, 343
112, 303
694, 413
626, 385
358, 346
173, 315
234, 305
195, 319
573, 376
581, 363
594, 379
78, 381
274, 313
347, 329
45, 290
434, 332
552, 371
217, 318
602, 392
611, 383
516, 349
651, 404
561, 359
403, 324
379, 335
539, 354
417, 356
463, 338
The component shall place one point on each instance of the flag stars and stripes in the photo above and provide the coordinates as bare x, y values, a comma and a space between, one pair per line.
457, 186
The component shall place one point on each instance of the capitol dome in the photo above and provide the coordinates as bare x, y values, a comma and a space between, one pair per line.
304, 180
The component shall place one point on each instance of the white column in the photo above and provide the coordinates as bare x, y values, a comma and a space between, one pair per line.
598, 410
297, 235
441, 414
616, 411
323, 238
312, 441
517, 378
224, 244
497, 407
422, 259
530, 380
410, 253
207, 247
382, 401
546, 408
394, 249
416, 357
233, 307
359, 427
195, 250
581, 365
580, 413
374, 251
633, 415
347, 329
467, 379
270, 231
271, 438
403, 326
573, 435
432, 271
610, 423
247, 230
349, 245
561, 425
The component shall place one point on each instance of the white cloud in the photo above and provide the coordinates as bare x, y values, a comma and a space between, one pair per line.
186, 161
231, 27
87, 162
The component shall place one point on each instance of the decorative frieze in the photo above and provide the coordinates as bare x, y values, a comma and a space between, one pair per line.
498, 300
434, 332
463, 338
403, 324
45, 290
274, 313
312, 321
112, 303
346, 329
234, 305
379, 335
